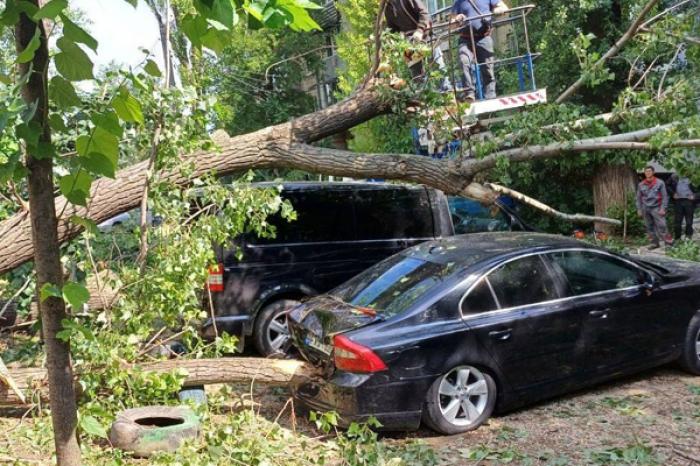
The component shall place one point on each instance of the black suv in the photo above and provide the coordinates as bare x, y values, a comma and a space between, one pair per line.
341, 230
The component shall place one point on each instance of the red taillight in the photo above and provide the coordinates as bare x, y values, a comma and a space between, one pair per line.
215, 281
353, 357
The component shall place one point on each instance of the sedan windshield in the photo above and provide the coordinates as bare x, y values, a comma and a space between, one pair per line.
393, 285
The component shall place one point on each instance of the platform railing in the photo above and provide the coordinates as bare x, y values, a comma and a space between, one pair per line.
442, 31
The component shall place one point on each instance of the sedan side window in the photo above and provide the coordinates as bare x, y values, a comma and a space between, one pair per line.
523, 281
480, 299
588, 272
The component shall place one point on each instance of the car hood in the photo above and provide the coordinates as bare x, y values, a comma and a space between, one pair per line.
314, 323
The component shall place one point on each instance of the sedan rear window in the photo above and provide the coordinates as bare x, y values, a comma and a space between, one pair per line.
393, 285
589, 272
523, 281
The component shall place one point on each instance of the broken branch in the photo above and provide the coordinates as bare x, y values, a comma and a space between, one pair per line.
574, 218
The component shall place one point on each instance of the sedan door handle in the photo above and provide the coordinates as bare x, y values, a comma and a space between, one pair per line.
501, 334
599, 314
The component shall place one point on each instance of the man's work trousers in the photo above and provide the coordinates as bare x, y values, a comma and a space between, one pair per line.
656, 225
684, 209
485, 58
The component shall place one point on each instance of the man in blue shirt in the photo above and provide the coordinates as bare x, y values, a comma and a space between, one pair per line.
475, 39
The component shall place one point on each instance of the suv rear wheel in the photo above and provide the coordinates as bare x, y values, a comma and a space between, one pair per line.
271, 334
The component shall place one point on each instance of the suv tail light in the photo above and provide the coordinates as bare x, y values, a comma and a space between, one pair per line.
353, 357
215, 281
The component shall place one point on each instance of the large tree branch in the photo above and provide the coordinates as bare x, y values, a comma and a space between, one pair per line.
630, 33
622, 141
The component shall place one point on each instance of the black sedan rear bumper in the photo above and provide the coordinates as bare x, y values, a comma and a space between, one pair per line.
357, 397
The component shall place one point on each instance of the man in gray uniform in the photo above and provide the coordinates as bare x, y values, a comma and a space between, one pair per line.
652, 202
684, 206
475, 38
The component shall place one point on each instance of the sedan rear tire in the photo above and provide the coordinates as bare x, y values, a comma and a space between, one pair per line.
459, 401
271, 335
690, 359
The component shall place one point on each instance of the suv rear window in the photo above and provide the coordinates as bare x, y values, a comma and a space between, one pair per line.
393, 285
393, 213
322, 215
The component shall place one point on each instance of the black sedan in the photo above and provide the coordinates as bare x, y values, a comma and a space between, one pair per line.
451, 330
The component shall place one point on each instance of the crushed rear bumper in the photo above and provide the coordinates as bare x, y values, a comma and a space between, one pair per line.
357, 397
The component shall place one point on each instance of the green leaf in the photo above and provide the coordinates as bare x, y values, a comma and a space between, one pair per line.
215, 40
84, 222
109, 121
99, 152
27, 54
51, 9
76, 187
92, 426
76, 295
152, 69
127, 107
132, 2
30, 132
72, 63
56, 122
218, 10
63, 94
194, 27
77, 34
301, 20
307, 4
49, 290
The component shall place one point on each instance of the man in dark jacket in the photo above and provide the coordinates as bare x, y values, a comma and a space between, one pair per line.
652, 202
683, 194
408, 17
411, 18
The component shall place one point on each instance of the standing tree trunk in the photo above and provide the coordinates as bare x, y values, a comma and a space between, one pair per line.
612, 187
47, 257
163, 21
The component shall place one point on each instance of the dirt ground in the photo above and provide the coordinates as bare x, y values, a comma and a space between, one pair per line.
650, 419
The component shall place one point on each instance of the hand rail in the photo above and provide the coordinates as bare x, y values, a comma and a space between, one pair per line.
527, 7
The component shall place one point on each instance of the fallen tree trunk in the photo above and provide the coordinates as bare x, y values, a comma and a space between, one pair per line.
33, 381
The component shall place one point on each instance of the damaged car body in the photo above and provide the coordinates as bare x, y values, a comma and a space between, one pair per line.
451, 330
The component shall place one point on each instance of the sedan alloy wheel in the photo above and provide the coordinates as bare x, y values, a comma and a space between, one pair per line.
460, 400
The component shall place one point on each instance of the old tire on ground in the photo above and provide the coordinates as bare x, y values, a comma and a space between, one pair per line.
460, 400
690, 359
145, 431
270, 334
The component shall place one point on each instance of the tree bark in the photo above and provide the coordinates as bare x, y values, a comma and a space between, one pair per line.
612, 186
32, 380
46, 247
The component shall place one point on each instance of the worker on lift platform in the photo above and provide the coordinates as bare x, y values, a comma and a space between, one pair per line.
474, 18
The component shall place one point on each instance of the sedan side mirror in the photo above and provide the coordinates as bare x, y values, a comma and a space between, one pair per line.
649, 284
